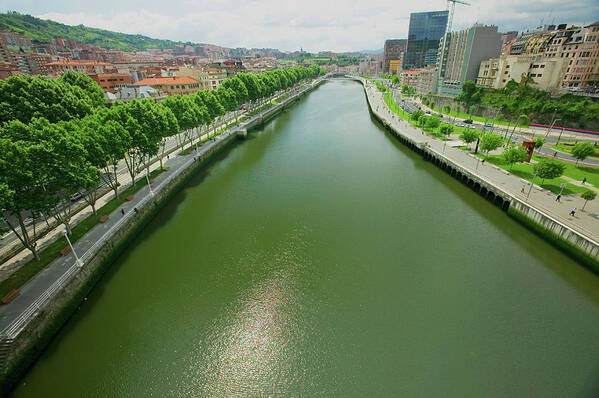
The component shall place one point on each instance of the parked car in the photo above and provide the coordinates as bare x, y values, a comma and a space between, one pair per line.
428, 112
488, 124
468, 121
76, 196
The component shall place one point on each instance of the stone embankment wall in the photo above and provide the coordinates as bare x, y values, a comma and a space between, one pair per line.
574, 243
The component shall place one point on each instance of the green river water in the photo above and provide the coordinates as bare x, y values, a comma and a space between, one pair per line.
321, 258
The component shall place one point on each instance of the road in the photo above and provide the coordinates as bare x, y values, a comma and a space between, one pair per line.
411, 105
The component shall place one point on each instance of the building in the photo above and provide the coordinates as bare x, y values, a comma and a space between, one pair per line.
7, 69
5, 54
128, 92
197, 73
464, 52
216, 75
15, 41
425, 32
172, 85
487, 73
546, 73
109, 81
394, 50
395, 66
582, 52
86, 67
426, 80
409, 77
556, 59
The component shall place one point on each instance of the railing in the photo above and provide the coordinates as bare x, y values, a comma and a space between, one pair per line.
17, 325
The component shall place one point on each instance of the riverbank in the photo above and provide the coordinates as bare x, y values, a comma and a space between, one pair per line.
578, 240
31, 320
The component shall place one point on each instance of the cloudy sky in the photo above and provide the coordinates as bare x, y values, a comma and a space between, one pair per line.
342, 25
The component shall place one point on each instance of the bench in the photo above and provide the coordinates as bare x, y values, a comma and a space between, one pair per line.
129, 198
103, 219
10, 296
66, 250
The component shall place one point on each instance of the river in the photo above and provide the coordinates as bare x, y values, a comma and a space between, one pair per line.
321, 258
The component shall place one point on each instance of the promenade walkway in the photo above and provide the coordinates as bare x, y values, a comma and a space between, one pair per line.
585, 222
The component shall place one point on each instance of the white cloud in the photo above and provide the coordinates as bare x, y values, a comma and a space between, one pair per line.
313, 25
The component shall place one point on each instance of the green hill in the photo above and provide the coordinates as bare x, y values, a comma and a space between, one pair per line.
44, 30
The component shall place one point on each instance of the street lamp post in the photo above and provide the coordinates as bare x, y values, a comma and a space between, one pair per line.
77, 259
532, 182
560, 136
551, 127
149, 185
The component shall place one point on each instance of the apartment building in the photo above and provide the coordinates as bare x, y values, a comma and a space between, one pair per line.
172, 85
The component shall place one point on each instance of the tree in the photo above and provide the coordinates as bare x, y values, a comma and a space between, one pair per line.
447, 109
432, 122
539, 142
490, 142
472, 109
470, 94
549, 168
588, 195
514, 155
22, 193
582, 150
446, 129
416, 115
469, 136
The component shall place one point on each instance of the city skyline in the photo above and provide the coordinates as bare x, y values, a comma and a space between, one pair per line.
289, 27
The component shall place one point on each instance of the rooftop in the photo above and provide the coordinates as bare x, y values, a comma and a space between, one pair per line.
167, 80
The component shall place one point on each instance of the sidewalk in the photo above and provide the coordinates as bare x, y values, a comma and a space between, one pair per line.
585, 222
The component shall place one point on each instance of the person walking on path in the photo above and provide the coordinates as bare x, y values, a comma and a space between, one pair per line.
584, 180
123, 212
573, 212
559, 196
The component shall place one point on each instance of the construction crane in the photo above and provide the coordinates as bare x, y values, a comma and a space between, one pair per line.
451, 9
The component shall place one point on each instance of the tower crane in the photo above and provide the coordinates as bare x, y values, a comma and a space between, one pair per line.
451, 9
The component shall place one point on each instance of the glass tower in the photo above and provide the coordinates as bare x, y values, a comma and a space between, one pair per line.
426, 30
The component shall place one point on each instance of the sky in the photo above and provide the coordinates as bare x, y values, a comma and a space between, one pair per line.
314, 25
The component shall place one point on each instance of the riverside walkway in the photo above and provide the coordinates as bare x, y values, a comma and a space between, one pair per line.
39, 291
585, 222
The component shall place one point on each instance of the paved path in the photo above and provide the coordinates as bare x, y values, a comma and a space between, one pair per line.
36, 290
585, 222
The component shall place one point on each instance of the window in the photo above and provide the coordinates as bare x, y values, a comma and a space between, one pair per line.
540, 75
542, 66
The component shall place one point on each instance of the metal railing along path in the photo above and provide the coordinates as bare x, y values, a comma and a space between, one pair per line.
17, 325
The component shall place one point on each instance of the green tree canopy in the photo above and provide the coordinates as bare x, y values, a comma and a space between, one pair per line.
549, 168
515, 155
582, 150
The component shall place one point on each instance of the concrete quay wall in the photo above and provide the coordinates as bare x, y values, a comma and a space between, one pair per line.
496, 194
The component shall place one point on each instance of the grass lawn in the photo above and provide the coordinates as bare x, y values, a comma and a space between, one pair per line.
526, 171
52, 252
567, 147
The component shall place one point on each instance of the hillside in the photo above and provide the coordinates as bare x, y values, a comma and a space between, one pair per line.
45, 30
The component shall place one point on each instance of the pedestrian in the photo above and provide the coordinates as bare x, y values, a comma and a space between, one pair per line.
555, 154
573, 212
559, 196
135, 209
522, 190
123, 212
584, 180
